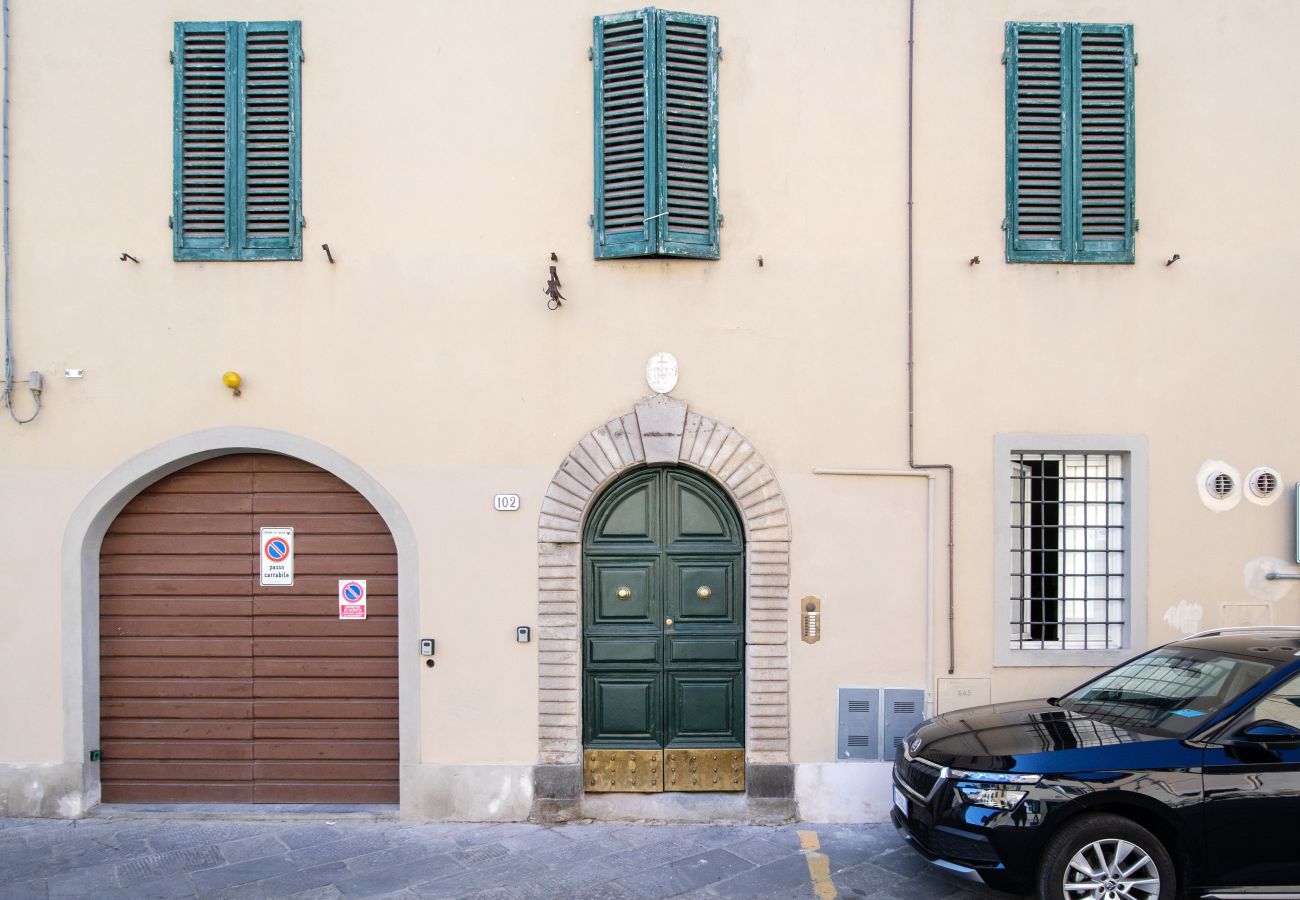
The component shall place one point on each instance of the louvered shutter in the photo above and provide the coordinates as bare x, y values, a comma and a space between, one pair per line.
624, 146
1038, 154
1103, 123
202, 216
1070, 143
687, 134
269, 151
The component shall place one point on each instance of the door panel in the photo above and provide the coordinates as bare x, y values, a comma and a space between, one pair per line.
625, 593
698, 651
704, 709
609, 652
704, 591
624, 710
663, 613
631, 517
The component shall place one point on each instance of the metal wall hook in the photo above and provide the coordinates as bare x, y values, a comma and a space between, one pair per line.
552, 289
1173, 259
125, 256
974, 261
328, 254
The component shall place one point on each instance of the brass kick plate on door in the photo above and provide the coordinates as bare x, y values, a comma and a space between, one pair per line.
623, 771
704, 770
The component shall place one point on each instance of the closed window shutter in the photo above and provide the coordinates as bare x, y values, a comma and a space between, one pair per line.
1037, 142
269, 184
624, 146
1070, 143
687, 134
202, 217
1104, 125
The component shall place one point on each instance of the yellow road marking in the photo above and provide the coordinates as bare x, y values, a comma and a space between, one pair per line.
819, 866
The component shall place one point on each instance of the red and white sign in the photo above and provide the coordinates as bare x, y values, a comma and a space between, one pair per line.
352, 598
277, 557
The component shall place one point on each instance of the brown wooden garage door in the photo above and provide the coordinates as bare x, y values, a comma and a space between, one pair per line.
215, 689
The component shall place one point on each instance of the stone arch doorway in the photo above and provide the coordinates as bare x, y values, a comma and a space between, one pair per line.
663, 431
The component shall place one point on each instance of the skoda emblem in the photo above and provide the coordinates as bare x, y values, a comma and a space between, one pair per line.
916, 745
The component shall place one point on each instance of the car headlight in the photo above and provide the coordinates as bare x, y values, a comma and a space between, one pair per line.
990, 796
992, 790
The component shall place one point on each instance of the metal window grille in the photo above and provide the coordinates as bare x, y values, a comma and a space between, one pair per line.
1068, 547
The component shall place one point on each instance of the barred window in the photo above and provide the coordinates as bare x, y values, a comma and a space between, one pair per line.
1068, 551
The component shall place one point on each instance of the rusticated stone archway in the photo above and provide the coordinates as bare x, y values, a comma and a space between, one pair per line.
661, 430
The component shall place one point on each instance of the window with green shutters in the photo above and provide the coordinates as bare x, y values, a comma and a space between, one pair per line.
237, 191
656, 86
1070, 143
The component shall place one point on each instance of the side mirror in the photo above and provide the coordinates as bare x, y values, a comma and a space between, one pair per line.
1268, 732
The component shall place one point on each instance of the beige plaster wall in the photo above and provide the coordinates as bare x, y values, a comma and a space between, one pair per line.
447, 153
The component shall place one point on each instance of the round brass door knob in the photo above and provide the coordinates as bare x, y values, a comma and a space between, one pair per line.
624, 593
703, 592
668, 621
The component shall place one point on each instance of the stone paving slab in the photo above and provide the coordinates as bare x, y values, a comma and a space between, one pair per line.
263, 857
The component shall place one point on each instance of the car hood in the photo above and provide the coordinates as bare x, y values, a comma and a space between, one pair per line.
1020, 736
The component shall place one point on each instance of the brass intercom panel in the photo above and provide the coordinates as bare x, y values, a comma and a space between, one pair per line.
811, 618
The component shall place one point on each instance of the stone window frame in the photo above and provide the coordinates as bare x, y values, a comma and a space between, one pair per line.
662, 430
1134, 449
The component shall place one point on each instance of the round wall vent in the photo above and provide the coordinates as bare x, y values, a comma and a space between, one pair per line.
1220, 484
1263, 482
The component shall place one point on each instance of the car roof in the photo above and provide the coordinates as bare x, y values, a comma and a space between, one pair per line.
1279, 644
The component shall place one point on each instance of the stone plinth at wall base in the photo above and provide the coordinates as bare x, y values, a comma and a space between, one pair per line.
467, 793
46, 790
844, 791
768, 799
724, 809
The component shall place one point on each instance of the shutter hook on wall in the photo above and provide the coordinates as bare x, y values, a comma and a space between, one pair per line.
553, 286
328, 254
974, 261
1173, 259
125, 256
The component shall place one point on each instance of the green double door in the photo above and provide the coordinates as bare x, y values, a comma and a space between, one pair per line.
663, 618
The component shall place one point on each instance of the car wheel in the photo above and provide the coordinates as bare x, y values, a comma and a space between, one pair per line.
1105, 857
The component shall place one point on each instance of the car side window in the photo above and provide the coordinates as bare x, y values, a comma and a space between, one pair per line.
1281, 705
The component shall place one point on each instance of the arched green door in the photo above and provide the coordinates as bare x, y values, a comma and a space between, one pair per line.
663, 635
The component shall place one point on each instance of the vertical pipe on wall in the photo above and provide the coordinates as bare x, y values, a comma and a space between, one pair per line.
911, 384
4, 222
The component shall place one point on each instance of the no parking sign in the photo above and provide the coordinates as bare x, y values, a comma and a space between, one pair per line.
277, 556
352, 598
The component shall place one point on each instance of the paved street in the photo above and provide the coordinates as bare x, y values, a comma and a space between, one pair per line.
155, 857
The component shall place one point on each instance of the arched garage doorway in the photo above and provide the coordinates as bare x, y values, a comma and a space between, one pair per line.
214, 688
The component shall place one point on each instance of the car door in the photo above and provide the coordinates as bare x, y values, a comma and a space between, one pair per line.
1252, 794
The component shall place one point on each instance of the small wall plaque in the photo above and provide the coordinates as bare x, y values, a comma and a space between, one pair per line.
661, 372
505, 502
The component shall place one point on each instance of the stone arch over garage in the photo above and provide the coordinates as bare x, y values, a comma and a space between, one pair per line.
663, 430
80, 579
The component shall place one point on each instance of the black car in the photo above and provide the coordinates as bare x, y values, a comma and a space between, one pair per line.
1177, 772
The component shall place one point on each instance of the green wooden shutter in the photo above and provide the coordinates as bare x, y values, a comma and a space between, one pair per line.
1070, 143
269, 185
625, 151
203, 145
1037, 143
687, 134
1103, 123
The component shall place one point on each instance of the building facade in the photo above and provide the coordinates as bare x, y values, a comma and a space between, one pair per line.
718, 389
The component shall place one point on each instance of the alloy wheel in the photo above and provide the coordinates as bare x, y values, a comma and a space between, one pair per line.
1111, 869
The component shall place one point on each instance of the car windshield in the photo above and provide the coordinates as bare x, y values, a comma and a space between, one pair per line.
1169, 691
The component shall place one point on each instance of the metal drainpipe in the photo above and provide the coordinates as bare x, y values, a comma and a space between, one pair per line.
4, 225
911, 381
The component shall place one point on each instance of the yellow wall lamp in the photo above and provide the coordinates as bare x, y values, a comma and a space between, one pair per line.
232, 380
